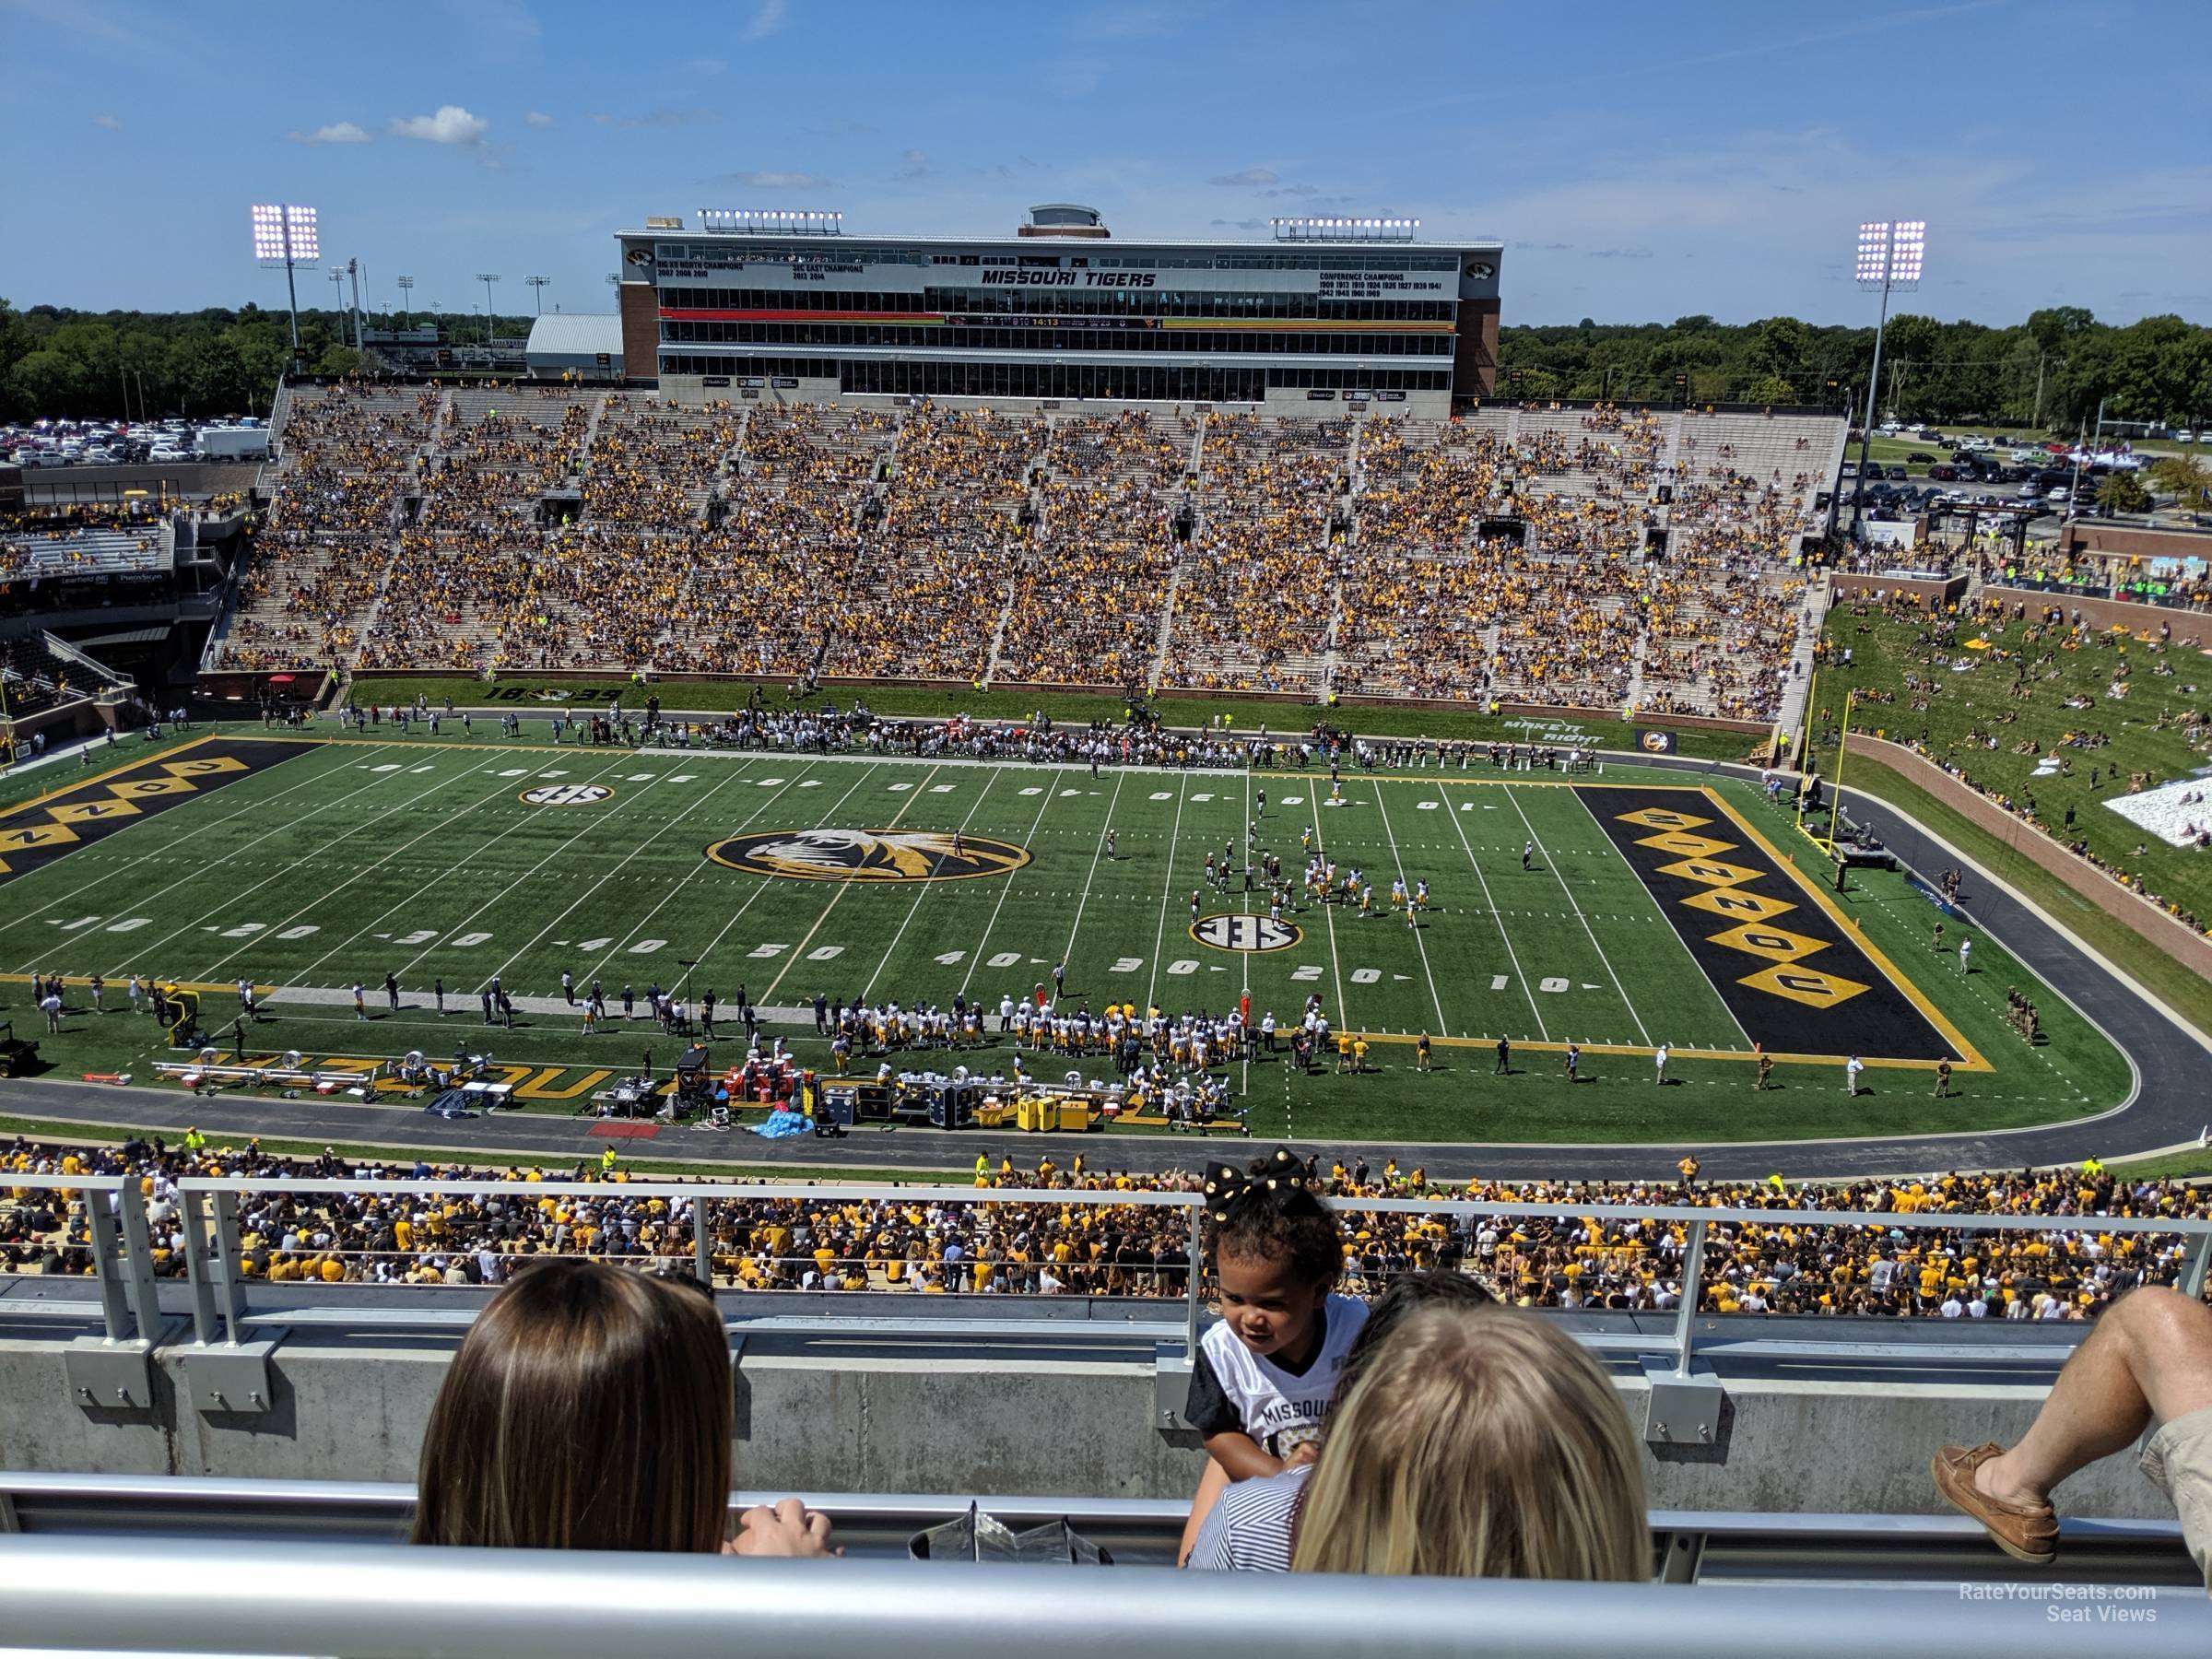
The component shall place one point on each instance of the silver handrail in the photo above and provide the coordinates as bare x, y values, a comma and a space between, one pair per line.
389, 1600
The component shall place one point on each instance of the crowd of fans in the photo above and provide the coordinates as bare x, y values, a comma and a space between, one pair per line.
348, 457
1505, 555
1042, 1243
1087, 609
2061, 733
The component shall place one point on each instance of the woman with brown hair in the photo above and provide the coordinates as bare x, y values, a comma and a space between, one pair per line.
1479, 1443
590, 1407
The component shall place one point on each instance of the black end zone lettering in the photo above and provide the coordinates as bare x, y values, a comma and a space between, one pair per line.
37, 833
1803, 986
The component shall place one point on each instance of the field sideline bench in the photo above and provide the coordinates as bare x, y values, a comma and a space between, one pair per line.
195, 1075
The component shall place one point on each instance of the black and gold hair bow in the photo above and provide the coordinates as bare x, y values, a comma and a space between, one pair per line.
1225, 1183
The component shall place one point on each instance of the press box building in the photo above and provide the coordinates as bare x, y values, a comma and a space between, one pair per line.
789, 302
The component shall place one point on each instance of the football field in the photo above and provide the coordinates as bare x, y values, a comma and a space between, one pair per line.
1616, 913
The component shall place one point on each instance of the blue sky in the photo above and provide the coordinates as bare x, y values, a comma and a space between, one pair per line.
1641, 162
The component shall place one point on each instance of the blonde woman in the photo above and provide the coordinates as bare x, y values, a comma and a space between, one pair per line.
1479, 1443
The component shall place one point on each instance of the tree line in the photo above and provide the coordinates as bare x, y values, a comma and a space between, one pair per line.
2049, 373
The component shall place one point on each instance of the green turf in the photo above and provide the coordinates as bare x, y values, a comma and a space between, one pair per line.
528, 696
2179, 986
370, 855
2168, 1167
2145, 728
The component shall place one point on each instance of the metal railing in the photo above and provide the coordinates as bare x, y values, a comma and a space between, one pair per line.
218, 1276
1704, 1546
109, 1593
126, 1301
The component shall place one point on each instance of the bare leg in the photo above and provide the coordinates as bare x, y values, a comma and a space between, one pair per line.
2151, 1356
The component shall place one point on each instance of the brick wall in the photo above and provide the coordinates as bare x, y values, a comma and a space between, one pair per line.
641, 310
2190, 628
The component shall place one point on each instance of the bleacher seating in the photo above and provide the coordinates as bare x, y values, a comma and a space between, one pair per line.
1583, 557
40, 673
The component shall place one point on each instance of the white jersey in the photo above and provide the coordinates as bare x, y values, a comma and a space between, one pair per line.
1278, 1410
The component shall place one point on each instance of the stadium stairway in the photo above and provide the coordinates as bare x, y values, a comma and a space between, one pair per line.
1798, 686
1167, 630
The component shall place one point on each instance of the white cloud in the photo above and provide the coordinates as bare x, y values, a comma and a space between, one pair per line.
1251, 175
758, 180
913, 164
109, 122
766, 20
336, 132
451, 125
537, 118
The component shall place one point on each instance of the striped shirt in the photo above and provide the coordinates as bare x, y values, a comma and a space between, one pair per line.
1248, 1527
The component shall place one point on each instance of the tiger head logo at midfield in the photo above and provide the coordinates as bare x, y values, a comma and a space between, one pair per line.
869, 854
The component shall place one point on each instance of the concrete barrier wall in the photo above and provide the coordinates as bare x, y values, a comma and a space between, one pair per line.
2137, 914
827, 1422
1847, 585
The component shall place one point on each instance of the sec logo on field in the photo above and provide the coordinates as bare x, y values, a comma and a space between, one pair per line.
869, 854
565, 794
1245, 933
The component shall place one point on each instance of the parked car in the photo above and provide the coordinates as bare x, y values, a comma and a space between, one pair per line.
1917, 456
166, 455
1896, 474
1945, 472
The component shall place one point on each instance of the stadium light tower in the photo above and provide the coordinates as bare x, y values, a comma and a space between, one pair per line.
537, 289
1889, 258
288, 236
488, 278
407, 295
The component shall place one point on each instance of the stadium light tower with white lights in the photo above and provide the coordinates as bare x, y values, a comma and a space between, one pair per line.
488, 278
286, 236
1889, 258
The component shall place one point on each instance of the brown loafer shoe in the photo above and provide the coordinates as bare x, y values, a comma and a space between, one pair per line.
2025, 1532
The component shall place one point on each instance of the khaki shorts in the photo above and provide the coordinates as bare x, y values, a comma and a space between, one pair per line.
2179, 1463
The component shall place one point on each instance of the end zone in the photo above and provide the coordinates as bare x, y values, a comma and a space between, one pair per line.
1792, 968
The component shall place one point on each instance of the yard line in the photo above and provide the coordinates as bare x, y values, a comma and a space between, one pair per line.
1244, 962
868, 992
800, 949
762, 886
1607, 840
1167, 892
1089, 881
1618, 989
1416, 931
1328, 914
615, 869
1527, 990
441, 825
141, 952
1008, 886
163, 847
669, 897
